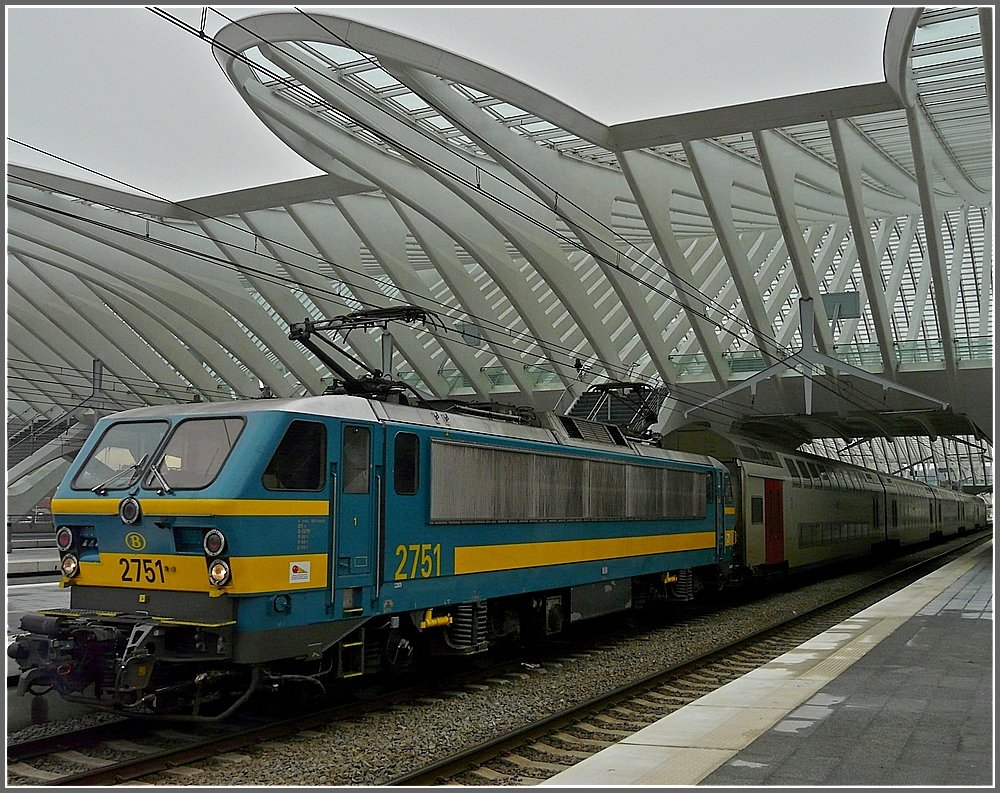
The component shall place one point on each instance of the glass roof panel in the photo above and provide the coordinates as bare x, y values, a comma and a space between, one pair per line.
963, 26
376, 78
949, 72
411, 102
506, 110
334, 53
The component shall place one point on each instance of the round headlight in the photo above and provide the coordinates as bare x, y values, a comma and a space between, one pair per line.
70, 565
218, 572
64, 538
215, 542
129, 510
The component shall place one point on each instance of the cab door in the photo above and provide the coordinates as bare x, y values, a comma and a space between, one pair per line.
720, 480
357, 498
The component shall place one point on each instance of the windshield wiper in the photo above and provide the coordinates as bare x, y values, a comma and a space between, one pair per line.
101, 489
155, 471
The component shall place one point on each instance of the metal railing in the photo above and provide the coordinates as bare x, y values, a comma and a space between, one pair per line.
864, 356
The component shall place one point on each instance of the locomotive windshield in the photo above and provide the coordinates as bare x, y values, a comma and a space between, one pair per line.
192, 458
194, 454
117, 460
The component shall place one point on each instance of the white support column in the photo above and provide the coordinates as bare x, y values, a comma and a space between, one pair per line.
849, 328
919, 299
456, 207
30, 357
900, 257
986, 274
365, 214
762, 257
548, 176
237, 248
932, 234
781, 182
823, 262
959, 243
653, 182
715, 259
79, 298
715, 181
305, 264
849, 163
152, 290
440, 250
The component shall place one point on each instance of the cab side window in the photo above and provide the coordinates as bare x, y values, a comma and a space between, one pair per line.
357, 458
299, 462
405, 463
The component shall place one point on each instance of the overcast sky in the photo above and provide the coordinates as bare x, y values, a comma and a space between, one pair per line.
123, 92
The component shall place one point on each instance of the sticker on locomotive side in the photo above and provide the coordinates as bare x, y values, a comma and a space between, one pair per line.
298, 572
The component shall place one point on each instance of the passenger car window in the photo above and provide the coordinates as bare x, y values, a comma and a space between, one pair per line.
299, 462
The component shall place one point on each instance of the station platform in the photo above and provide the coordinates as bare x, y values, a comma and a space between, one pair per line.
29, 561
900, 694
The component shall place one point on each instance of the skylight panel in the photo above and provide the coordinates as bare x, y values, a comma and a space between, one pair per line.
263, 69
952, 28
411, 102
376, 79
538, 126
506, 110
948, 56
439, 121
334, 53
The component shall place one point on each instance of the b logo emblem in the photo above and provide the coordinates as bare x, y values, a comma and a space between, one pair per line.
135, 541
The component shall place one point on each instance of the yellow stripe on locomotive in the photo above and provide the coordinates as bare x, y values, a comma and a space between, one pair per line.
198, 507
491, 558
187, 573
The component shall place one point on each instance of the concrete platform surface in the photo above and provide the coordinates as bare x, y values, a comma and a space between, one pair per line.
900, 694
26, 561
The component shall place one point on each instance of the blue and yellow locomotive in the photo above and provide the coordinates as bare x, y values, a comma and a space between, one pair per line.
212, 549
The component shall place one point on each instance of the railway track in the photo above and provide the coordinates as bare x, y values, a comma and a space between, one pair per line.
184, 754
127, 750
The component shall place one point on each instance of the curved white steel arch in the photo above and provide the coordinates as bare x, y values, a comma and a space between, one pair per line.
860, 189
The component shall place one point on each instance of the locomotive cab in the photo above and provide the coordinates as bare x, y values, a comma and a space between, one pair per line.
174, 530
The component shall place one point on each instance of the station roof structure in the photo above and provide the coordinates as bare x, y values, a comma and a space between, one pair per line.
553, 251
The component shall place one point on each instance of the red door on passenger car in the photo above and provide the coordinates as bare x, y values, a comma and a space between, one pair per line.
774, 523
